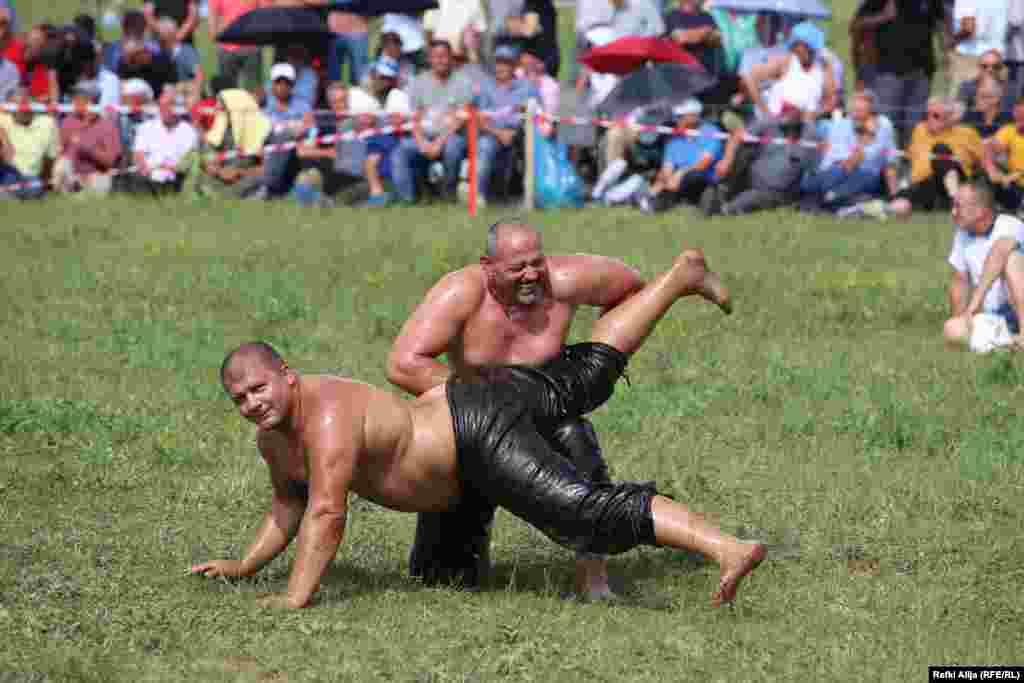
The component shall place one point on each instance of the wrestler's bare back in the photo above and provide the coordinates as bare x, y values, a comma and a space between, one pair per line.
403, 450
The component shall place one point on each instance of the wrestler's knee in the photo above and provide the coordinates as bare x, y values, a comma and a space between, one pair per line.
956, 330
576, 439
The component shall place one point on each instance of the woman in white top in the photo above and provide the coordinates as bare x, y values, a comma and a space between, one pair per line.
801, 79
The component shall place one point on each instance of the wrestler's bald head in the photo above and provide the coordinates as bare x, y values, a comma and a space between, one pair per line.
510, 233
257, 352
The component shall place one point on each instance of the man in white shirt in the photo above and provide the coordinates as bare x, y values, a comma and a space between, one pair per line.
988, 267
162, 145
977, 26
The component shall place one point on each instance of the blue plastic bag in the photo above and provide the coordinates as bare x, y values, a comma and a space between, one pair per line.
557, 183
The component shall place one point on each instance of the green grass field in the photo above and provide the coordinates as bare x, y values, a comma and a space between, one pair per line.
825, 417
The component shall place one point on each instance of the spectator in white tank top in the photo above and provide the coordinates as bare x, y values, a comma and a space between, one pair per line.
801, 80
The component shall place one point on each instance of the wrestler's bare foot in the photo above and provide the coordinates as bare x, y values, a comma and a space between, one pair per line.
733, 571
699, 279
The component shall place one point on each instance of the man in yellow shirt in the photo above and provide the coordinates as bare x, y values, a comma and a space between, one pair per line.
942, 153
29, 144
1007, 184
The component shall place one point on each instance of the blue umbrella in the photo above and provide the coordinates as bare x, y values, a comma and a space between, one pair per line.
811, 9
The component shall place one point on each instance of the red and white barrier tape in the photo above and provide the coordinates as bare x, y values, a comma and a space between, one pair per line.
668, 130
266, 149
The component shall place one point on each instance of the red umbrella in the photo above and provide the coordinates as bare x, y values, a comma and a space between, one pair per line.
628, 54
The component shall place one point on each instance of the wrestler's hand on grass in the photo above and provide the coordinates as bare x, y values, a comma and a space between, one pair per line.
230, 568
277, 601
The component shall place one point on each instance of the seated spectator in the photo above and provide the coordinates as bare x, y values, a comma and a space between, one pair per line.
230, 163
799, 78
108, 82
306, 82
409, 29
340, 162
182, 55
162, 148
40, 59
502, 99
858, 148
695, 31
1008, 183
287, 114
531, 68
687, 166
763, 174
140, 61
184, 14
436, 97
977, 28
10, 79
29, 144
382, 95
988, 267
773, 32
988, 114
90, 143
990, 65
942, 153
136, 95
391, 47
133, 28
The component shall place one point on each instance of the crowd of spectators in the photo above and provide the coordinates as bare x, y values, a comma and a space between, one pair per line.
785, 124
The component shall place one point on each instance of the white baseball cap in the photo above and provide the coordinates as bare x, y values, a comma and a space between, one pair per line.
282, 70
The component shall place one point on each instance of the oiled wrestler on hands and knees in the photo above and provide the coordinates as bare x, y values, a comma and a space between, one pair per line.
513, 307
323, 437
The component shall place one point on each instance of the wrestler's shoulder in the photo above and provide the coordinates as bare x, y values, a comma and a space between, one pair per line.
466, 286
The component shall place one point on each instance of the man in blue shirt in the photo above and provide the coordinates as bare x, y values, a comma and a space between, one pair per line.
857, 149
287, 113
501, 100
687, 165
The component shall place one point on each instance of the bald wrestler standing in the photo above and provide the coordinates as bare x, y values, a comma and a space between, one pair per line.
323, 437
514, 307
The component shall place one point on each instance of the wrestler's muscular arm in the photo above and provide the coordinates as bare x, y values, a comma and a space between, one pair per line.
279, 525
333, 443
588, 280
431, 330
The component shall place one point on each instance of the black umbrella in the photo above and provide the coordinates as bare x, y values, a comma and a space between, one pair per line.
279, 26
375, 8
655, 85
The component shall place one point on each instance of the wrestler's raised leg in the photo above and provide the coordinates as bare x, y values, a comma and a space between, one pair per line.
676, 526
627, 325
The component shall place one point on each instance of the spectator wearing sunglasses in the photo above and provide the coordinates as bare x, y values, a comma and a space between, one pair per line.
976, 28
990, 66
